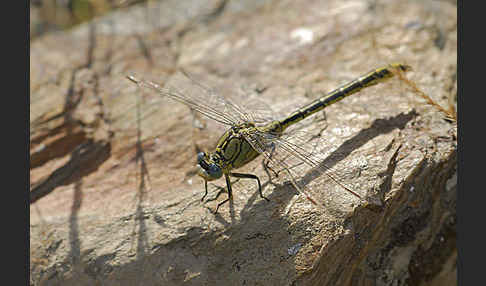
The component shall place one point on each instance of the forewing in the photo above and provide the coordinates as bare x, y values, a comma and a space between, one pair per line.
180, 87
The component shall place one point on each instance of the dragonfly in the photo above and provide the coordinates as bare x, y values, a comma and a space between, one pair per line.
249, 134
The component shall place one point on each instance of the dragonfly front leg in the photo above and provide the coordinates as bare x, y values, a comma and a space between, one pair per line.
206, 190
250, 176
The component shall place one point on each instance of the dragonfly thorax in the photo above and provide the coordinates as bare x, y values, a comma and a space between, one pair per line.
232, 151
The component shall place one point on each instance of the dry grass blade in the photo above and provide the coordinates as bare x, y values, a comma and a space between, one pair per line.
450, 114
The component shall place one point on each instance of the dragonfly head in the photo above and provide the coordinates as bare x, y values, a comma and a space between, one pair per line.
206, 167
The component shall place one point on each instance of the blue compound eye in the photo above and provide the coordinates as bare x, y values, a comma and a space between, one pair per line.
200, 157
214, 171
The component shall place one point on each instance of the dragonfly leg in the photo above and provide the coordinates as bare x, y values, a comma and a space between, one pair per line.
206, 190
266, 163
250, 176
221, 190
267, 167
230, 196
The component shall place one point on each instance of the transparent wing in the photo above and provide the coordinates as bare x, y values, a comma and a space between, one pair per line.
183, 89
302, 157
243, 103
254, 109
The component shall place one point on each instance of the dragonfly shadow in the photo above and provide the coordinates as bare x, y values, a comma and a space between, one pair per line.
142, 240
139, 216
378, 127
280, 196
254, 205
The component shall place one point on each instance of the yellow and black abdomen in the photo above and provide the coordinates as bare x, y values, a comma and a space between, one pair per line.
372, 78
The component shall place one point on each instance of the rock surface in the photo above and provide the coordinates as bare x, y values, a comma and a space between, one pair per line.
115, 200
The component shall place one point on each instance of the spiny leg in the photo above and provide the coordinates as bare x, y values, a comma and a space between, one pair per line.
250, 176
266, 165
206, 192
220, 191
230, 196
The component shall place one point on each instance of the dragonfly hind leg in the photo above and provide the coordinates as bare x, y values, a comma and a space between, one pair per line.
266, 164
250, 176
230, 192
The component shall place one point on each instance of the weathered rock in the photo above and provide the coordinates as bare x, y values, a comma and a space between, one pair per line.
110, 211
